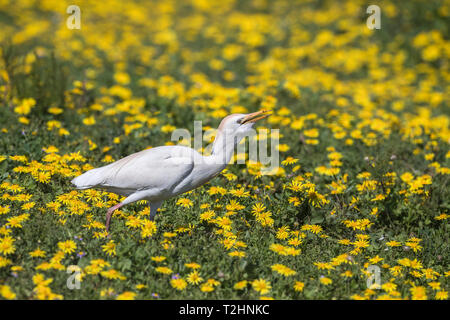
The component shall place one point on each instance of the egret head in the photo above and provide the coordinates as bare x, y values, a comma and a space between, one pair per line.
233, 129
239, 125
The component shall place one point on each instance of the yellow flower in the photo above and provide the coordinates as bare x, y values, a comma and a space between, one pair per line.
122, 78
24, 120
238, 254
140, 286
283, 270
241, 193
230, 176
435, 285
323, 266
283, 232
38, 253
418, 293
108, 158
283, 147
7, 245
347, 274
127, 295
312, 133
16, 221
55, 110
6, 292
148, 228
28, 206
112, 274
441, 295
289, 161
326, 281
178, 283
192, 265
110, 248
194, 278
262, 286
389, 287
375, 259
240, 285
413, 245
431, 52
25, 106
298, 286
217, 190
393, 243
207, 215
39, 280
407, 177
168, 128
206, 287
442, 216
164, 270
89, 121
4, 262
158, 258
184, 202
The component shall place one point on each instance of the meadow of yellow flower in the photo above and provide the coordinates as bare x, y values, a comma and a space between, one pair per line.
358, 208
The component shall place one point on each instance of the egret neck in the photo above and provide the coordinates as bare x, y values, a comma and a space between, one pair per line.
223, 148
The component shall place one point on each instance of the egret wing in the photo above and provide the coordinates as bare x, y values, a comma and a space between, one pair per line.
161, 168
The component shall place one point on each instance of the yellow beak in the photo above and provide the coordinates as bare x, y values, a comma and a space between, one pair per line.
255, 116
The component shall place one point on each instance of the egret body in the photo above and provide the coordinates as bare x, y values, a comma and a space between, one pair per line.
164, 172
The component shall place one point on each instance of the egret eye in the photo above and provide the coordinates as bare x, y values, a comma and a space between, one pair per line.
240, 120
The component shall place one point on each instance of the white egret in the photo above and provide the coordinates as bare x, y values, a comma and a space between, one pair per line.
160, 173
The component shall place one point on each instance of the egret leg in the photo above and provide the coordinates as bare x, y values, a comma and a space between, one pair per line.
110, 212
131, 198
153, 209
